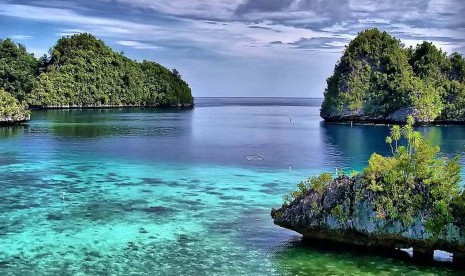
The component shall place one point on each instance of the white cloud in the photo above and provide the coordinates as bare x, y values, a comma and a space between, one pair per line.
70, 32
197, 35
445, 7
66, 16
374, 21
337, 28
231, 39
445, 46
137, 44
21, 37
413, 31
236, 37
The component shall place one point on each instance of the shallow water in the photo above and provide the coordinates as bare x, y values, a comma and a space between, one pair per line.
144, 191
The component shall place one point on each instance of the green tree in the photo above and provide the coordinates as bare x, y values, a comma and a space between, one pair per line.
396, 134
17, 69
82, 71
368, 76
397, 181
376, 77
457, 68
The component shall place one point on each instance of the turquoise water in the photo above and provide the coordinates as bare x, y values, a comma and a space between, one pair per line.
147, 192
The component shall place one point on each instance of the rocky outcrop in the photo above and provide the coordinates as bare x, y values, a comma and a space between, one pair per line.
17, 119
107, 106
11, 110
398, 116
344, 213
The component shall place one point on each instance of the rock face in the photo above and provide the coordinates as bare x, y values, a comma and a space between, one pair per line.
18, 119
344, 213
103, 106
398, 116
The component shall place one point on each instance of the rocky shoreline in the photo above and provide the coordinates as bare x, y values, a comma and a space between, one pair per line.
397, 117
183, 106
18, 119
383, 121
26, 117
343, 213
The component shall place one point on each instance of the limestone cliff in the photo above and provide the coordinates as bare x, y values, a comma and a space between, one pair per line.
344, 212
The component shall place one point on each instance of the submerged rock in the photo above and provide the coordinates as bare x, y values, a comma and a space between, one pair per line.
344, 212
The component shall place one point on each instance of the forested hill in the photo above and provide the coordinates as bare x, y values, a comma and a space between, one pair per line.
81, 71
378, 79
18, 69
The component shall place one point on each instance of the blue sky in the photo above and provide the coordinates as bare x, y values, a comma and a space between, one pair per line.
278, 48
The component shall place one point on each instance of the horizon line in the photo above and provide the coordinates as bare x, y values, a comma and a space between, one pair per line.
255, 97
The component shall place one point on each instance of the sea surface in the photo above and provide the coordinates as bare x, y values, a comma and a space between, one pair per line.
180, 192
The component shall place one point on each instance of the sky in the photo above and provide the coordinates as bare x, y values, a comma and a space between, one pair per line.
236, 48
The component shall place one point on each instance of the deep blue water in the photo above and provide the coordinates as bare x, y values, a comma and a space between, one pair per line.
179, 192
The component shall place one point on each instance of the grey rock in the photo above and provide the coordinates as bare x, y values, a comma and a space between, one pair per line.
313, 215
17, 119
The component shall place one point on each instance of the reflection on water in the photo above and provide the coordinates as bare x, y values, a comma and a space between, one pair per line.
107, 122
357, 142
148, 191
298, 258
451, 139
12, 131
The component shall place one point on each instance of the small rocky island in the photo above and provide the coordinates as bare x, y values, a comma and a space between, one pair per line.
411, 199
378, 80
11, 111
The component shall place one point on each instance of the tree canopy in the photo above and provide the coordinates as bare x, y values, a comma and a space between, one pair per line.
18, 69
81, 71
377, 76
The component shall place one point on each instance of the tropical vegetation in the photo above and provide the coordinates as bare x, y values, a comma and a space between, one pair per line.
11, 110
414, 177
81, 71
18, 69
377, 76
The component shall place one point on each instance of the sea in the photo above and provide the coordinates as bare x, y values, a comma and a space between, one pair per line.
148, 191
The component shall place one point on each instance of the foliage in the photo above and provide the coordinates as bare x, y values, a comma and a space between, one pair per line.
17, 69
83, 71
10, 107
378, 76
368, 75
316, 183
402, 182
415, 181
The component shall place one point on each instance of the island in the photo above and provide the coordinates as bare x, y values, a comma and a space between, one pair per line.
411, 199
379, 80
82, 72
